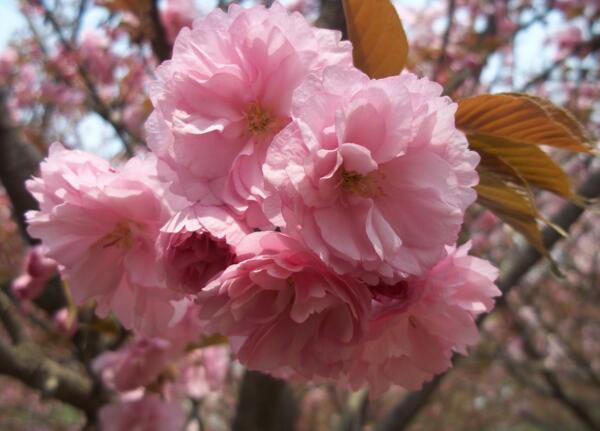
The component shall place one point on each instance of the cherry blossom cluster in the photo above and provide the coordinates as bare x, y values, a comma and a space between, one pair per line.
154, 374
290, 203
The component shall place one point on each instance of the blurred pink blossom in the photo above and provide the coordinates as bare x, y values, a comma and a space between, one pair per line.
566, 40
8, 59
66, 321
201, 372
177, 14
149, 413
94, 51
37, 270
135, 365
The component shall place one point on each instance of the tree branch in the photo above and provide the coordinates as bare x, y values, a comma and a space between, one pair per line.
356, 411
332, 16
407, 410
264, 404
161, 47
18, 161
28, 364
78, 20
10, 318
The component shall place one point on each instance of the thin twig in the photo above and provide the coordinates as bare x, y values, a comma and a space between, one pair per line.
78, 20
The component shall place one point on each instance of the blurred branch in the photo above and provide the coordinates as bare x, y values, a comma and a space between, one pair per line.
462, 75
332, 16
78, 20
161, 47
405, 412
523, 377
264, 404
9, 315
567, 347
18, 161
591, 45
446, 38
519, 265
356, 411
28, 364
557, 390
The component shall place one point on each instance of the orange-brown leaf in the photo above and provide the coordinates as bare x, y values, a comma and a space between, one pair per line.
512, 203
379, 40
522, 119
136, 7
530, 162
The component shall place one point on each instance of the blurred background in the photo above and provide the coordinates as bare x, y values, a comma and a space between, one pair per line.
76, 71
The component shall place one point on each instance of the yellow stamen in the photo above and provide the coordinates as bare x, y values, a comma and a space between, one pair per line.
262, 121
363, 185
119, 237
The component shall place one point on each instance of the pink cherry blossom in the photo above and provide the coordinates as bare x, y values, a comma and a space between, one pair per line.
37, 270
137, 364
566, 40
284, 310
372, 175
100, 224
417, 324
201, 372
8, 59
94, 52
177, 14
149, 413
143, 359
66, 321
196, 245
224, 95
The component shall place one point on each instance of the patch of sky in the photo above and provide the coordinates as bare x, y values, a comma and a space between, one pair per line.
11, 21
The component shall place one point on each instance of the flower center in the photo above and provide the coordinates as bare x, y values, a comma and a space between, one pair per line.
261, 121
120, 237
365, 185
